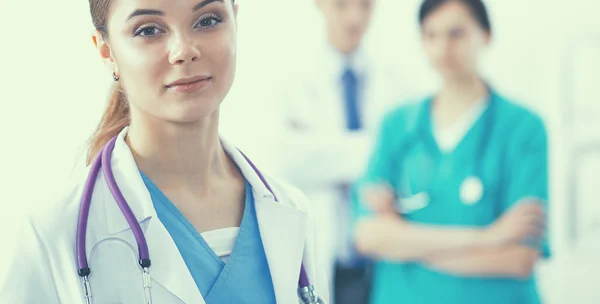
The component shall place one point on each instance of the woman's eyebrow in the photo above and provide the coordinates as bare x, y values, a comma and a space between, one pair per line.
139, 12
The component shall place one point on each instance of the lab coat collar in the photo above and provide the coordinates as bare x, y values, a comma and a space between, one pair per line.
282, 227
249, 171
336, 62
136, 194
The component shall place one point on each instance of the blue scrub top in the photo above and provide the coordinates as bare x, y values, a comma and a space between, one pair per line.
245, 278
506, 148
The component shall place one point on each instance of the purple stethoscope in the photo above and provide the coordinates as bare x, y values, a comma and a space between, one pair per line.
306, 291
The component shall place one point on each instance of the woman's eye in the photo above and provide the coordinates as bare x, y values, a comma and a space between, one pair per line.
429, 35
209, 21
456, 33
147, 31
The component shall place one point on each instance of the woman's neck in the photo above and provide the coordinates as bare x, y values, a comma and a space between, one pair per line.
456, 97
179, 154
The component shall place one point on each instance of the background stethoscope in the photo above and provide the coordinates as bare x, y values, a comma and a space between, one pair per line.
471, 188
306, 291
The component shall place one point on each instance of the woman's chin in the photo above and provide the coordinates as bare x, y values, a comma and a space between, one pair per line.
193, 113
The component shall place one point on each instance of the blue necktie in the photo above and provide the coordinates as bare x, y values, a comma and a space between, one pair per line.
350, 85
349, 257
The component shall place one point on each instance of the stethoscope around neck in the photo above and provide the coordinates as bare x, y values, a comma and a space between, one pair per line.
471, 189
306, 291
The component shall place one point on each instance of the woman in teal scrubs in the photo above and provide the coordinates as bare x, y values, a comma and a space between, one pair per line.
452, 205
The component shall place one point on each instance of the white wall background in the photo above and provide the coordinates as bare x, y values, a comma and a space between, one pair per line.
53, 90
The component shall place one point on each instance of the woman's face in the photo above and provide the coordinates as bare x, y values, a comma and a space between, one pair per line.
453, 40
175, 58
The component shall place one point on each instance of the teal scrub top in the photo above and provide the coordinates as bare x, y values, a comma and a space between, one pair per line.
245, 278
506, 148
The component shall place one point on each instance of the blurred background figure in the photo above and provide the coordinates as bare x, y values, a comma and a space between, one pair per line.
331, 108
454, 198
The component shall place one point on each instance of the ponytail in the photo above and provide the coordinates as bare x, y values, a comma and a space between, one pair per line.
115, 119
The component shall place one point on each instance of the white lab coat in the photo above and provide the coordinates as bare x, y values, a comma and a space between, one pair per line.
44, 268
316, 151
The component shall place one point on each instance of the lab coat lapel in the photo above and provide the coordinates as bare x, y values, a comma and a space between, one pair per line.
168, 268
282, 229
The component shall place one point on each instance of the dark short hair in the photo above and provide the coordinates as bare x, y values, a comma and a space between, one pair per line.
476, 7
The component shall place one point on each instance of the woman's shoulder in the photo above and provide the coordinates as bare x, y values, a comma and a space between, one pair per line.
57, 216
44, 252
515, 115
409, 107
405, 115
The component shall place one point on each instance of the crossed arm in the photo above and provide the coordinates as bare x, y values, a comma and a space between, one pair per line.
494, 251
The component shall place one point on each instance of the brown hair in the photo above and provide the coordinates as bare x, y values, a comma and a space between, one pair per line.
116, 116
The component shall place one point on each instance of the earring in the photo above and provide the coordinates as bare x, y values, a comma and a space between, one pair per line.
115, 77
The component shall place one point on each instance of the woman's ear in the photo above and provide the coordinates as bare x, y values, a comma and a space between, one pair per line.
104, 51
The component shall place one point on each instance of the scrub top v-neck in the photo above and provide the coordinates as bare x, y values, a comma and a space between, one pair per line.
244, 277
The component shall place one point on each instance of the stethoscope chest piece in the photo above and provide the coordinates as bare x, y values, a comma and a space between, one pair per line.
471, 190
307, 295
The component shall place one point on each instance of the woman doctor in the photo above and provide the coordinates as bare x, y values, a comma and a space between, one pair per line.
452, 203
216, 232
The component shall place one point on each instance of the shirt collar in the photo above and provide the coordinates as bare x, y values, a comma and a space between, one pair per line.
338, 62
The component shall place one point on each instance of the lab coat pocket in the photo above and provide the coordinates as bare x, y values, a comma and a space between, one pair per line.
116, 276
